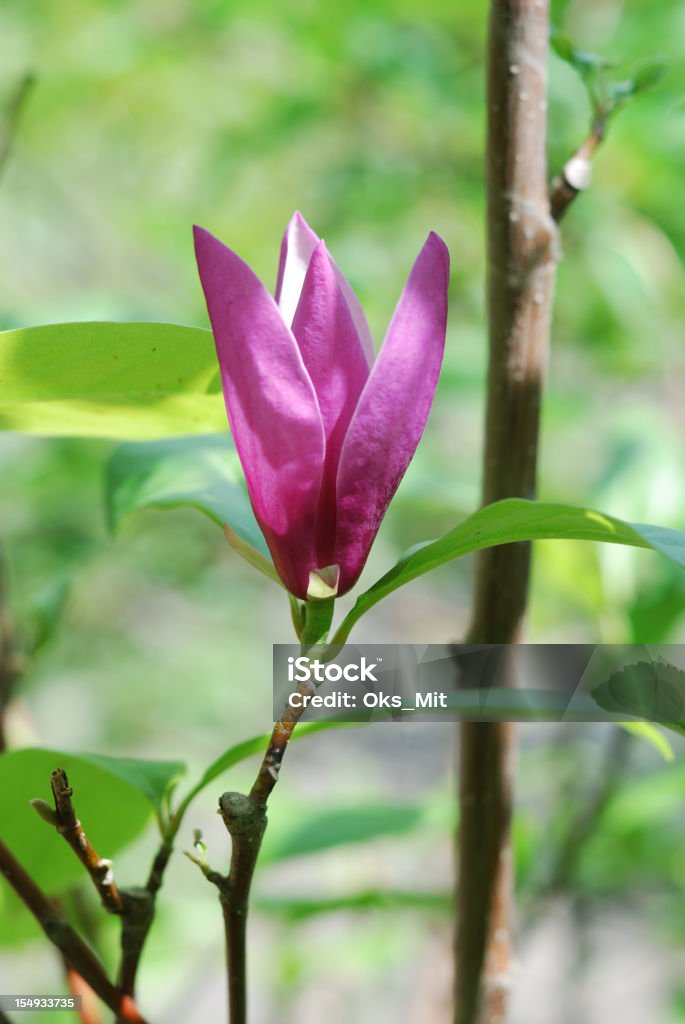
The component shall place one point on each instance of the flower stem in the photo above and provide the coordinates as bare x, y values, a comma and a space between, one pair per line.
318, 616
245, 820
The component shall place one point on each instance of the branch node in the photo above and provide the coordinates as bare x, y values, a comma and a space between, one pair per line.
243, 816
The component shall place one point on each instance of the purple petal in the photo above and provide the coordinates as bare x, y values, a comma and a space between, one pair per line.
297, 248
392, 411
333, 356
272, 408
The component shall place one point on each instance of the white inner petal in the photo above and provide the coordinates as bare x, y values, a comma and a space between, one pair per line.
300, 249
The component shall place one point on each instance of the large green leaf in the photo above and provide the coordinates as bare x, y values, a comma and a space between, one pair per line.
153, 779
510, 521
201, 472
113, 812
127, 381
17, 924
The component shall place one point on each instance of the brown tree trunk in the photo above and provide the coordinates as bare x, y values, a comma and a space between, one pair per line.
520, 281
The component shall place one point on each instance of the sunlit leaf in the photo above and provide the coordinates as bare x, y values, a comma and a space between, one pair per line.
650, 734
127, 381
511, 521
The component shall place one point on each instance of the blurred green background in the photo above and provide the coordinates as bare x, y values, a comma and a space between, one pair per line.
147, 116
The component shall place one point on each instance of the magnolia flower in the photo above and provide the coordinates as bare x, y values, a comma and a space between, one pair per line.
324, 429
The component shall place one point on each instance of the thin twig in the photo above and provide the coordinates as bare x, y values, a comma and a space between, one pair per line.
521, 265
269, 769
63, 936
69, 826
134, 906
577, 173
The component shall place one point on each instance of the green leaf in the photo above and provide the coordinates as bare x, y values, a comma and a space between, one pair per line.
583, 61
200, 472
154, 779
505, 522
248, 748
301, 908
652, 690
650, 734
607, 97
324, 829
562, 46
126, 381
113, 812
17, 925
648, 74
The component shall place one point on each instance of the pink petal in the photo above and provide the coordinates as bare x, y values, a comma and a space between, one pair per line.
333, 356
297, 247
392, 411
272, 408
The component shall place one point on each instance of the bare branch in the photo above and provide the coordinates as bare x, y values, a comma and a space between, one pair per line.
68, 825
135, 906
68, 942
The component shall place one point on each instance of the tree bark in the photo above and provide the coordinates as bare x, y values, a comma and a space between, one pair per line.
520, 281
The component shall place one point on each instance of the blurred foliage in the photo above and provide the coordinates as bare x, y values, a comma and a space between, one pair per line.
148, 115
